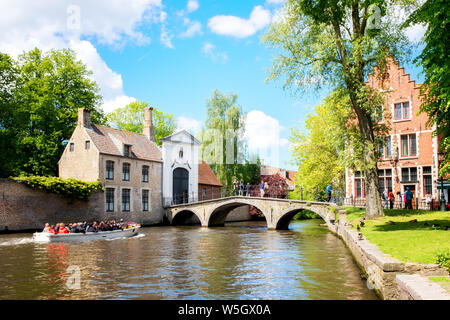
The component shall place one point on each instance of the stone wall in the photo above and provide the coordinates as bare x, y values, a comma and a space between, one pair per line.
23, 208
382, 270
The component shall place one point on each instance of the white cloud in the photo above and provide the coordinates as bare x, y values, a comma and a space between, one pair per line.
192, 6
53, 24
263, 131
193, 126
193, 28
166, 37
277, 2
238, 27
211, 52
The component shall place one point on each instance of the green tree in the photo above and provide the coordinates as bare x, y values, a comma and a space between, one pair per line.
223, 147
8, 86
131, 118
434, 59
48, 90
320, 151
338, 43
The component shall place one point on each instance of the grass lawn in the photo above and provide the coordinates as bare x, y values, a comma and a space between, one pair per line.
444, 282
405, 240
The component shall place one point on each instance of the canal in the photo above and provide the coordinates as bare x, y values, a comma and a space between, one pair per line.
238, 261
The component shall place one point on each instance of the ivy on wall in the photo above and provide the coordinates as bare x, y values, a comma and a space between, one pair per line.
70, 188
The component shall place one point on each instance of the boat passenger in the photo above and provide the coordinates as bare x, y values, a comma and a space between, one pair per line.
46, 228
62, 229
52, 229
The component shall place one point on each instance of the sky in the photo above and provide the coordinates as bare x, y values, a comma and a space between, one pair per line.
173, 54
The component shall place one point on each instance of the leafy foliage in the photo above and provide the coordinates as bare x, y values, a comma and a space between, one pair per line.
223, 147
320, 151
337, 44
435, 91
443, 259
39, 97
131, 118
70, 188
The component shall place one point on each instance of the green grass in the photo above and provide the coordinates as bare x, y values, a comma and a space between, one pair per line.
444, 282
407, 241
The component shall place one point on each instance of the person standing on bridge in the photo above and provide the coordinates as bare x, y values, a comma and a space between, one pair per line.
329, 189
235, 187
261, 189
247, 191
241, 188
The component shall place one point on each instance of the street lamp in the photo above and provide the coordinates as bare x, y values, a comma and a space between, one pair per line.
442, 198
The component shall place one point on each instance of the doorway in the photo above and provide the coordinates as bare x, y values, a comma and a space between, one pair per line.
180, 191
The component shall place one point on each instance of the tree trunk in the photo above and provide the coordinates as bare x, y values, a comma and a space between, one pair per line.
374, 207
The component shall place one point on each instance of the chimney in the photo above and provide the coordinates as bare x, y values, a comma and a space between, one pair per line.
149, 132
84, 118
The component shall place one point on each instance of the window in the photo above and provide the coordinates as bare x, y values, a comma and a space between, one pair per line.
144, 173
203, 193
385, 180
126, 172
359, 185
409, 174
126, 150
72, 147
427, 181
126, 199
145, 200
385, 148
87, 145
109, 199
409, 145
401, 111
110, 170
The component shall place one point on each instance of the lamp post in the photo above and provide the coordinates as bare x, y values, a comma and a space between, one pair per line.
442, 198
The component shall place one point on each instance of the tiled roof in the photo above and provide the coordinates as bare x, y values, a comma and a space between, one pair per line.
268, 171
206, 175
110, 141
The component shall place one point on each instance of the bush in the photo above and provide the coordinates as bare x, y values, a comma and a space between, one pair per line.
70, 188
306, 214
443, 259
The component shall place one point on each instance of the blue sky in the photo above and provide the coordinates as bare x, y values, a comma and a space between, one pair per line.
172, 54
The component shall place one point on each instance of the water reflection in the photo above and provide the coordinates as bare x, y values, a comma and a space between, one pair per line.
238, 261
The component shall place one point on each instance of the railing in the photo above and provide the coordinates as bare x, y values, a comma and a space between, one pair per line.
415, 204
226, 192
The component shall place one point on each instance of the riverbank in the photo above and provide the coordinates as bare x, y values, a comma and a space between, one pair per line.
380, 268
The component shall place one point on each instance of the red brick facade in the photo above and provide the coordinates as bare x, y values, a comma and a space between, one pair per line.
416, 165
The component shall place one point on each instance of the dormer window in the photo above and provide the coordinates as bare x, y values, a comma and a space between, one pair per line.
126, 150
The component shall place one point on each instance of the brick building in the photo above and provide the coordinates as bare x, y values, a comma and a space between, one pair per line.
209, 187
128, 164
288, 175
409, 156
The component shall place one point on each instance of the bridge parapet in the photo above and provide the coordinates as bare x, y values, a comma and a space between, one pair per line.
278, 212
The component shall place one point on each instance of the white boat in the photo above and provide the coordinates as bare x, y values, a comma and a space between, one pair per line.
88, 236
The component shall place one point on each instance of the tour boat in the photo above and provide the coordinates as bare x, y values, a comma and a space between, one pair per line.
88, 236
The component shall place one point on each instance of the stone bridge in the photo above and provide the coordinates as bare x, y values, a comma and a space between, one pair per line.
278, 212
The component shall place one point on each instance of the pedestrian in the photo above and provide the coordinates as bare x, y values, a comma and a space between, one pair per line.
409, 197
241, 188
385, 198
266, 189
235, 187
429, 201
247, 188
404, 200
391, 199
261, 189
329, 189
399, 200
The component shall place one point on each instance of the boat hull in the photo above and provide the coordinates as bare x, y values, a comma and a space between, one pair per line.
88, 236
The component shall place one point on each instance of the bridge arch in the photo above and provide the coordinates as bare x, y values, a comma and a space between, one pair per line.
285, 217
186, 217
217, 214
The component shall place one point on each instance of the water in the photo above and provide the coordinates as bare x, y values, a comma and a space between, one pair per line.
238, 261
